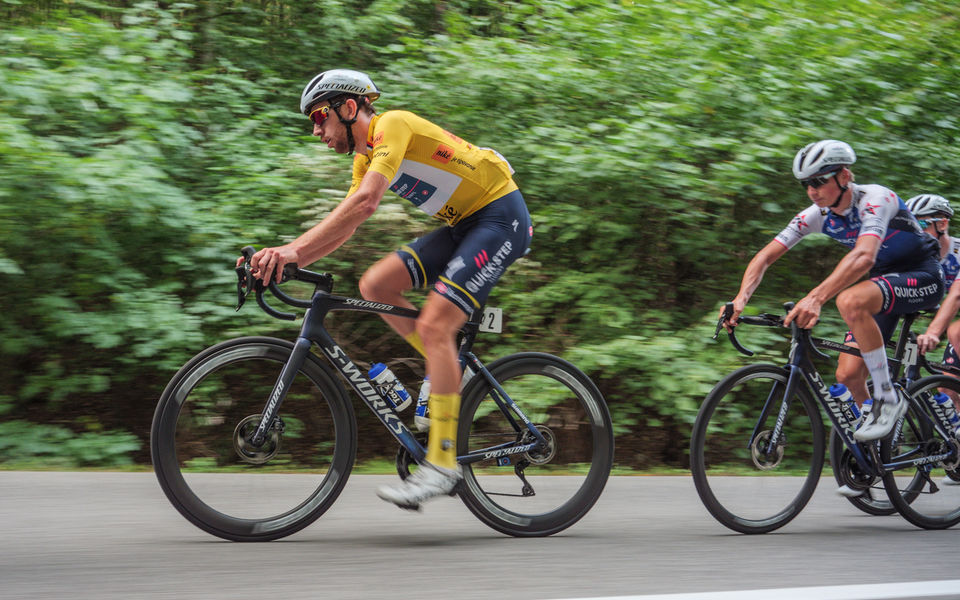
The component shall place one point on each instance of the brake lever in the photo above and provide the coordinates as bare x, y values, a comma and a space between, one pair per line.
727, 313
244, 277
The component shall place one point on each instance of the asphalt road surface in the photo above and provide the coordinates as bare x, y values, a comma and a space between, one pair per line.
114, 535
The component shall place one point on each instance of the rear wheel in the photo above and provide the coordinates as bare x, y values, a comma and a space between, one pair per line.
548, 488
921, 492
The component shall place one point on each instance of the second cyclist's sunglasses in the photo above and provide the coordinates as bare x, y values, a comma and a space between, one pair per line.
817, 182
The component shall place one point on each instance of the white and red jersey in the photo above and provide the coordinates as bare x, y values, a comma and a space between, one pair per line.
876, 211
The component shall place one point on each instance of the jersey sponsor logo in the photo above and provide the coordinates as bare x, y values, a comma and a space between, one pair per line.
443, 154
380, 154
800, 221
455, 138
378, 139
413, 189
871, 209
914, 292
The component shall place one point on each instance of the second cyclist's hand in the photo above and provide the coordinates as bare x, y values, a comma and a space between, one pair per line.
730, 323
806, 313
927, 342
268, 263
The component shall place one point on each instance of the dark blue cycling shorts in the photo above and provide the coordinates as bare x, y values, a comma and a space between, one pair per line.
905, 293
463, 262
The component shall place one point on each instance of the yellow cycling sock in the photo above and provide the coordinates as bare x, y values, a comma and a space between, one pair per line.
442, 445
414, 340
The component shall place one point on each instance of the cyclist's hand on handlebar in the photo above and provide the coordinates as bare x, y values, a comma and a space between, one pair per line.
267, 264
927, 342
730, 322
806, 313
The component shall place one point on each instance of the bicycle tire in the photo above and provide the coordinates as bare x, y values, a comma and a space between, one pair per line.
722, 444
225, 486
868, 502
933, 506
570, 411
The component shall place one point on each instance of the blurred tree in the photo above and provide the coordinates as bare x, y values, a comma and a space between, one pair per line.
143, 143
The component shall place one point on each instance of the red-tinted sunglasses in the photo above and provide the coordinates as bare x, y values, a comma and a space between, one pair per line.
319, 115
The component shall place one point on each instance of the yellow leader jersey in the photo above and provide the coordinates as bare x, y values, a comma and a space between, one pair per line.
440, 173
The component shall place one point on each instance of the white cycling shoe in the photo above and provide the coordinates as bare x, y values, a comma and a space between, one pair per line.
848, 492
883, 421
428, 481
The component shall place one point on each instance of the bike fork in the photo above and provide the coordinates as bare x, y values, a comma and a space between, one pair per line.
300, 350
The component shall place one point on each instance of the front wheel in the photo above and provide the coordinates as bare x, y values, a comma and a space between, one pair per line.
216, 477
926, 494
546, 489
750, 478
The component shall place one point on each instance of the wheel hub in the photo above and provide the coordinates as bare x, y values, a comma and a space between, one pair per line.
250, 452
758, 451
544, 453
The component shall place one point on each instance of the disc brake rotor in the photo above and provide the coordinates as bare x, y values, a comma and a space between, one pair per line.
543, 454
758, 451
246, 450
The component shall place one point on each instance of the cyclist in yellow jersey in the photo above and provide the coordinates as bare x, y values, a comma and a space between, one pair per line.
488, 227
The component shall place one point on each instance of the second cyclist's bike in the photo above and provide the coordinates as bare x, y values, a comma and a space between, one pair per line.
758, 444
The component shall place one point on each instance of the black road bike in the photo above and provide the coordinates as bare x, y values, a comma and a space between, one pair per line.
254, 438
758, 443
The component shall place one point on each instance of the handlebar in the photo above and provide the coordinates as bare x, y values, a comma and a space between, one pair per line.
247, 283
765, 320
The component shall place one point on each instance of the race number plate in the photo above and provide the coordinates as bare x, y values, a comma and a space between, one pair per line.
492, 320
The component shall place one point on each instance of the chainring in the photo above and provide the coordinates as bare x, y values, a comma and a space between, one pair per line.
851, 474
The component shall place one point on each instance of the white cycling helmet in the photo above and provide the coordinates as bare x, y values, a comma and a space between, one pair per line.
336, 82
927, 205
822, 157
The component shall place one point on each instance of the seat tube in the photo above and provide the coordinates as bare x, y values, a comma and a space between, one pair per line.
300, 350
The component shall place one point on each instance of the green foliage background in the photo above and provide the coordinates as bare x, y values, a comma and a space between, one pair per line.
143, 143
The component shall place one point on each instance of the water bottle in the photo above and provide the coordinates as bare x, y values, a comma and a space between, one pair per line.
945, 404
844, 400
420, 418
390, 386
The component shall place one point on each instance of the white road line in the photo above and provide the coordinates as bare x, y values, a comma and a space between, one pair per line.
876, 591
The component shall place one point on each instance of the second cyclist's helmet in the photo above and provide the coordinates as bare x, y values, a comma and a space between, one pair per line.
927, 205
337, 82
822, 157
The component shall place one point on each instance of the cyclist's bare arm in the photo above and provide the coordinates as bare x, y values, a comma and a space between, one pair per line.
929, 339
851, 268
752, 277
327, 235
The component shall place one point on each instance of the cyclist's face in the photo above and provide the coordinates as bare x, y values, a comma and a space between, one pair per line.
330, 130
826, 194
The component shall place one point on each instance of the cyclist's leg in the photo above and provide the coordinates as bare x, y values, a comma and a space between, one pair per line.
851, 370
891, 294
487, 243
412, 266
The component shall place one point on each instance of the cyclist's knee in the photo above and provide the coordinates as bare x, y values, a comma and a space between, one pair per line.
859, 301
384, 281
